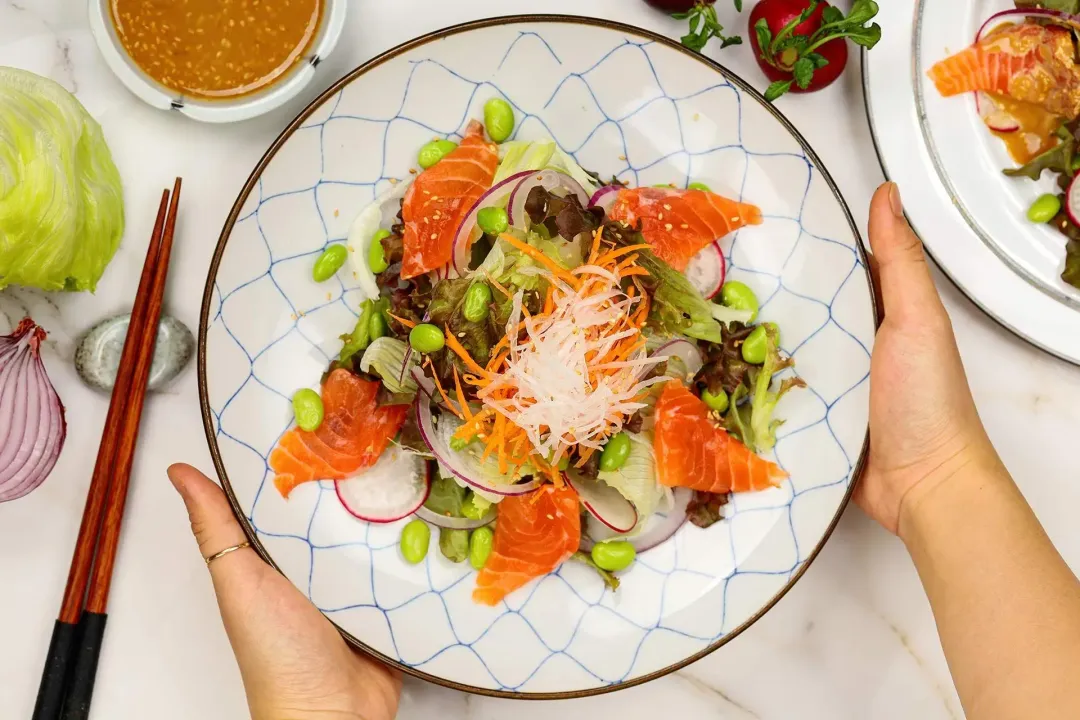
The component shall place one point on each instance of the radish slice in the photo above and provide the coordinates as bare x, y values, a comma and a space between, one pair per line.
551, 180
995, 118
389, 490
604, 502
685, 354
467, 232
605, 197
657, 529
454, 523
707, 269
1072, 201
464, 465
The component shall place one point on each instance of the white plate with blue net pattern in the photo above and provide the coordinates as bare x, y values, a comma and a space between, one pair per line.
625, 102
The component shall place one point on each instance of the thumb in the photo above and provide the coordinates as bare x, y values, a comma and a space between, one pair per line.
901, 267
212, 520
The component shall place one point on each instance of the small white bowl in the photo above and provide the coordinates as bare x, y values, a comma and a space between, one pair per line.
216, 111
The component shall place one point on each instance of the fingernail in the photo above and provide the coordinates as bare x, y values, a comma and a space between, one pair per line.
894, 200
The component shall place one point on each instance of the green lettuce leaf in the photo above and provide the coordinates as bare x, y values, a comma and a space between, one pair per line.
764, 400
636, 479
520, 156
61, 201
385, 357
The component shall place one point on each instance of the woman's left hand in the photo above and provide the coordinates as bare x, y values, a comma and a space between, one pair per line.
294, 663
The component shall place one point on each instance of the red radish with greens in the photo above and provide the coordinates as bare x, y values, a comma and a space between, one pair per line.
799, 44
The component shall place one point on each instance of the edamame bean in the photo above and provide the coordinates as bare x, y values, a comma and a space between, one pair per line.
493, 220
415, 539
433, 152
377, 326
426, 338
615, 452
756, 345
1044, 208
613, 556
718, 402
308, 409
739, 296
329, 262
477, 302
480, 546
376, 256
498, 119
698, 186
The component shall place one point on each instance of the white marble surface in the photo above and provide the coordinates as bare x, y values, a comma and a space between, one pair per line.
853, 639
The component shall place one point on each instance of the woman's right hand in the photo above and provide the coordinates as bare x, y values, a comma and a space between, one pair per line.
923, 422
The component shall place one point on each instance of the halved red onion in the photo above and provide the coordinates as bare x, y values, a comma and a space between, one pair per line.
707, 269
683, 350
605, 197
454, 523
658, 527
391, 489
467, 232
32, 424
463, 465
551, 180
604, 502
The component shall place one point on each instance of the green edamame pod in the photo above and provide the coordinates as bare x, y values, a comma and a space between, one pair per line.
308, 409
613, 556
433, 152
739, 296
498, 119
426, 338
1044, 208
615, 452
329, 262
477, 302
415, 539
376, 255
480, 546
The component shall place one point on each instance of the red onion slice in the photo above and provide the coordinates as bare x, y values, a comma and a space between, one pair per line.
551, 180
683, 351
707, 269
391, 489
462, 464
454, 523
659, 526
604, 502
604, 198
1057, 16
467, 232
32, 424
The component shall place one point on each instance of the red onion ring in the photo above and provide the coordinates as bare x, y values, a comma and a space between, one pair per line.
604, 198
550, 180
462, 465
1059, 17
464, 237
685, 351
454, 523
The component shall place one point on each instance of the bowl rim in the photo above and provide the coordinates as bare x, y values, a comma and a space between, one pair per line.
297, 122
245, 107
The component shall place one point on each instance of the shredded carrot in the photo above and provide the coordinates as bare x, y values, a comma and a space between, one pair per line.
596, 244
498, 285
543, 259
631, 272
445, 397
407, 323
613, 254
461, 397
461, 352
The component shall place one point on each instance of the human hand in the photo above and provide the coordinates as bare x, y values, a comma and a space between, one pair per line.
923, 424
294, 663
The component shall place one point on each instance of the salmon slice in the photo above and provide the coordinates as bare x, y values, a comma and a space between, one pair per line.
441, 197
1029, 63
679, 223
534, 535
353, 435
691, 451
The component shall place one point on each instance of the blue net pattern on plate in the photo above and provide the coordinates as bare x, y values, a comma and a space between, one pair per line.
381, 618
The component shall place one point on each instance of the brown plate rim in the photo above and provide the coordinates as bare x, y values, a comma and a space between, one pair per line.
297, 122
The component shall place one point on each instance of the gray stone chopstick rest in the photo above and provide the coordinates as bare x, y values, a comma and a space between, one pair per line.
97, 357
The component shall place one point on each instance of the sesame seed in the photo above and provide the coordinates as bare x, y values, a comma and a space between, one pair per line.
393, 181
667, 226
434, 236
660, 216
667, 207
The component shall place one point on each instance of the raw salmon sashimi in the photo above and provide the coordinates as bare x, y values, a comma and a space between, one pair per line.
691, 451
534, 535
1029, 63
441, 197
353, 435
679, 223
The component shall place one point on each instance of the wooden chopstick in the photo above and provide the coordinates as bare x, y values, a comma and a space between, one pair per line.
66, 646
